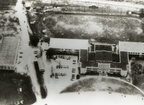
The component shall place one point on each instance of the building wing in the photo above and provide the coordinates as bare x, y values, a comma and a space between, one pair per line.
136, 47
69, 43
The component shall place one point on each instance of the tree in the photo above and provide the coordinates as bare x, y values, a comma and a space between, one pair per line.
136, 70
50, 22
50, 52
0, 37
46, 39
10, 83
34, 40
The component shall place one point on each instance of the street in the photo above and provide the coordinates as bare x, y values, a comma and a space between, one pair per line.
28, 56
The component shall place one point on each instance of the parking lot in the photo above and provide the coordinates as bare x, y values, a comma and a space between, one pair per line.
65, 66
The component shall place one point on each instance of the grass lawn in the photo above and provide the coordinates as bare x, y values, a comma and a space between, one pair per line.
102, 84
9, 89
102, 28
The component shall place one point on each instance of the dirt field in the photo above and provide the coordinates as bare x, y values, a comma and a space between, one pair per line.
102, 28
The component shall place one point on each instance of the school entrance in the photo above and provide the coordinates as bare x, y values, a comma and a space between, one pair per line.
103, 67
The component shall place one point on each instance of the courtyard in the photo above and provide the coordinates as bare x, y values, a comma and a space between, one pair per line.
65, 66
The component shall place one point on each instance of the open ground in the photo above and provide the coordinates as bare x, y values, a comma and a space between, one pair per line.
109, 29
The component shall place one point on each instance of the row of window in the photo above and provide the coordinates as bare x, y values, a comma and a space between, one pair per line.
136, 53
100, 47
2, 67
106, 69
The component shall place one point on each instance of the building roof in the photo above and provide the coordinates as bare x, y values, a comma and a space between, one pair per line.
103, 56
103, 47
8, 50
69, 43
131, 47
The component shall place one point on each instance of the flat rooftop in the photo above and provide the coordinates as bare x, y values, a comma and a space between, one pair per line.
69, 43
131, 46
8, 51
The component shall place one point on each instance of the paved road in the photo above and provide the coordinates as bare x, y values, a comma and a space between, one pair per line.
93, 14
26, 62
114, 4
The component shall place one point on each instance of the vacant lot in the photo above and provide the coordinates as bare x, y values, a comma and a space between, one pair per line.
8, 50
102, 28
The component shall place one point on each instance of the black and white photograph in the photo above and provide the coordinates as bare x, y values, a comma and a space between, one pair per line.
71, 52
